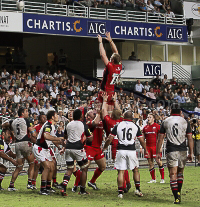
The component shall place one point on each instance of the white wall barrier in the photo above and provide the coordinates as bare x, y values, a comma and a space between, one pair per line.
61, 163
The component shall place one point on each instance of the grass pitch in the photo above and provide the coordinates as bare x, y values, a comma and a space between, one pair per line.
156, 195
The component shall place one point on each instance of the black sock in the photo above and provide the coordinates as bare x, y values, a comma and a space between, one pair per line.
43, 185
65, 181
180, 181
137, 185
48, 184
120, 190
29, 182
82, 189
1, 178
11, 184
174, 187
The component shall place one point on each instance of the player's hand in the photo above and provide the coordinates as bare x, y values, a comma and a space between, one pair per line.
99, 38
114, 97
62, 151
105, 97
158, 158
190, 156
108, 37
15, 163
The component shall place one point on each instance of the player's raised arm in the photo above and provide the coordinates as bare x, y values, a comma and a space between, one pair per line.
105, 105
112, 44
102, 51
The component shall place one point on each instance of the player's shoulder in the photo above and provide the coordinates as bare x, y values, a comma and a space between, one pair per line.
1, 142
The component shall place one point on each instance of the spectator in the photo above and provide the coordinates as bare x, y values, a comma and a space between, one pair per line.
139, 86
151, 94
180, 98
90, 86
34, 109
147, 86
17, 97
156, 81
197, 109
76, 87
133, 56
59, 132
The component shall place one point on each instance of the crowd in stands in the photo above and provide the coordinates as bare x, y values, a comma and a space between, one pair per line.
154, 6
45, 91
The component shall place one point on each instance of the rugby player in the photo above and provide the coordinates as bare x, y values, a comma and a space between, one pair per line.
93, 149
111, 72
126, 157
42, 152
42, 119
6, 153
76, 132
23, 146
176, 129
109, 123
150, 133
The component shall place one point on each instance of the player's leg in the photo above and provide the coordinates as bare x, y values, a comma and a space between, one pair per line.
3, 170
162, 173
70, 169
136, 178
120, 180
127, 183
54, 176
47, 167
101, 162
15, 174
30, 160
49, 178
35, 174
181, 165
173, 182
180, 179
77, 173
151, 170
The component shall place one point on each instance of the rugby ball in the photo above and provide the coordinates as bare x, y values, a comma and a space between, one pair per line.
20, 5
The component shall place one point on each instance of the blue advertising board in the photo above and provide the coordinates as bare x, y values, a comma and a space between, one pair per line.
74, 26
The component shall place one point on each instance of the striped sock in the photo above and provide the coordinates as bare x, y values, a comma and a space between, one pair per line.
33, 182
174, 187
121, 190
65, 181
180, 181
137, 185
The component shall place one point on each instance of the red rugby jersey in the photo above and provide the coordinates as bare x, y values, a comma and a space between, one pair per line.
108, 83
109, 123
97, 134
151, 133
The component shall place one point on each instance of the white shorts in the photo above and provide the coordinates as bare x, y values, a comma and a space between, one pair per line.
41, 154
78, 155
126, 160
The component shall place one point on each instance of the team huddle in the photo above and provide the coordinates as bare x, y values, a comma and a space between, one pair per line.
82, 142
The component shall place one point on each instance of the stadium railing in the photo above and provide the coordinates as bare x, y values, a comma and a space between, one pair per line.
88, 12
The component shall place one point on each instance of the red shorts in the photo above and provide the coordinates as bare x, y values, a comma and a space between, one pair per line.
93, 153
114, 148
152, 152
110, 101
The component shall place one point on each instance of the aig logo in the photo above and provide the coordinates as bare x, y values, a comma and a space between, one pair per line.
95, 28
174, 33
152, 69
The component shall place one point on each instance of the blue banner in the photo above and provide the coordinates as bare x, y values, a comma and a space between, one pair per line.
74, 26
